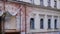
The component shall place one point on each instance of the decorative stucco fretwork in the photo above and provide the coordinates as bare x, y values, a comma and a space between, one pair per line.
12, 8
33, 15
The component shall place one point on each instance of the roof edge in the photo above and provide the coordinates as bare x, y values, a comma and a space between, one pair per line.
35, 6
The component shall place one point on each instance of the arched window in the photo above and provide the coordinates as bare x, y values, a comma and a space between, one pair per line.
55, 4
55, 23
32, 1
41, 23
49, 23
32, 23
49, 3
41, 2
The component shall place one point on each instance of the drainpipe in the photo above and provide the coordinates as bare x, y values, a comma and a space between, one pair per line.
20, 21
25, 21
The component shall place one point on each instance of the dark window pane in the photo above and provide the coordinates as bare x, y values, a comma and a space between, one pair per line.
55, 4
41, 23
49, 23
41, 2
32, 23
49, 2
32, 1
55, 23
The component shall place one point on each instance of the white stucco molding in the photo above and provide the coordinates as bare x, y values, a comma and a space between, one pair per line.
1, 9
12, 9
1, 13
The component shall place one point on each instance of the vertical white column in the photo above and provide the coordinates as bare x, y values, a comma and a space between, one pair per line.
35, 2
52, 3
58, 4
36, 22
58, 22
52, 22
45, 2
18, 21
45, 22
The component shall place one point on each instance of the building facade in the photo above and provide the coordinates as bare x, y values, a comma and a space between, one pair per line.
12, 18
43, 21
52, 3
43, 17
30, 17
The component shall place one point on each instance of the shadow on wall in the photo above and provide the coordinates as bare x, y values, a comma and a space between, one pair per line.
45, 32
13, 33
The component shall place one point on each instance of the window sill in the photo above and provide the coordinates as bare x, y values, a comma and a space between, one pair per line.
49, 6
41, 28
49, 28
32, 29
56, 28
41, 5
55, 7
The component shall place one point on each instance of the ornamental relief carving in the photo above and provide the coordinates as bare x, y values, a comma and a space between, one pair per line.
12, 15
12, 9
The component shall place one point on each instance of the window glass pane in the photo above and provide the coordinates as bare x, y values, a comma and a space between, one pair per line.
32, 1
48, 2
55, 23
41, 2
55, 4
32, 23
49, 23
41, 23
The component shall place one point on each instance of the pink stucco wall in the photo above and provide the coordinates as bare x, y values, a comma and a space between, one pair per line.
5, 7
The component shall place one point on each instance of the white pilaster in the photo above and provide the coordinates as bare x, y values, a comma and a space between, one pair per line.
45, 22
58, 22
52, 22
36, 22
